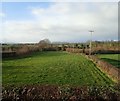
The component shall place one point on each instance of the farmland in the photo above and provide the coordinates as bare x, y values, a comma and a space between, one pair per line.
59, 68
111, 58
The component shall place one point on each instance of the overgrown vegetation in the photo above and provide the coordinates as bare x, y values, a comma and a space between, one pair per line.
46, 45
60, 93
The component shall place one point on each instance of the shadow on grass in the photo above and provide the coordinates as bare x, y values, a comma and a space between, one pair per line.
36, 54
112, 61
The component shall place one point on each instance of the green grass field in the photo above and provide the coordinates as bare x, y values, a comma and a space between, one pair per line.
58, 68
111, 58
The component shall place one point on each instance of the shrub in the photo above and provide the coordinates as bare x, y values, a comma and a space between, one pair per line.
23, 50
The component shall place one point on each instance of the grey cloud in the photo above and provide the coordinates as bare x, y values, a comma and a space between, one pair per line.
66, 22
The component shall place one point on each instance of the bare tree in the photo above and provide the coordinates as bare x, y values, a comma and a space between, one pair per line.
44, 44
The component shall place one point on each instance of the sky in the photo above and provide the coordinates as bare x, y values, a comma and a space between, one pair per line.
30, 22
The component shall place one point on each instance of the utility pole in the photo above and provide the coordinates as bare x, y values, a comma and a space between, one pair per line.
90, 51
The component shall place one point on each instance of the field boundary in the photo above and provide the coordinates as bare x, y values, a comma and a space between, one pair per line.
94, 51
106, 67
59, 93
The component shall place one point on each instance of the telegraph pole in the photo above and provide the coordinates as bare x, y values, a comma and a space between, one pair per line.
90, 51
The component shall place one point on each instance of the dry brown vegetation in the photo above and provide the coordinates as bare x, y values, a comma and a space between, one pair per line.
23, 50
59, 93
45, 45
74, 50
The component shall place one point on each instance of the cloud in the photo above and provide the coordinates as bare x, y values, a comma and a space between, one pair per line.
65, 22
2, 14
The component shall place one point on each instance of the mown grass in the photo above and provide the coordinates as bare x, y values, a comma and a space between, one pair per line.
111, 58
59, 68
